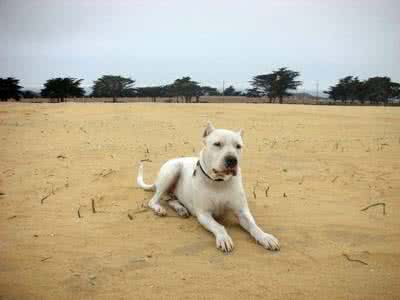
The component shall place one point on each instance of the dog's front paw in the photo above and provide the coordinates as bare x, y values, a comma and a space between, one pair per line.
268, 241
224, 243
182, 212
159, 210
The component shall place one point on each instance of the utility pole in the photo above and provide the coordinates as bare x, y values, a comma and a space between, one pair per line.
223, 87
317, 90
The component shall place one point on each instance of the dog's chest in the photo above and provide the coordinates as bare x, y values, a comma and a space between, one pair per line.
215, 197
218, 200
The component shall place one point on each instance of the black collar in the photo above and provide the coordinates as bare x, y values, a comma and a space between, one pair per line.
205, 174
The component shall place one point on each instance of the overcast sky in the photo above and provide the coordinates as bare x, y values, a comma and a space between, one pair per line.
155, 42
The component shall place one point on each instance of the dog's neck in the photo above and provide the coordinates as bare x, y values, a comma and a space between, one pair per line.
206, 172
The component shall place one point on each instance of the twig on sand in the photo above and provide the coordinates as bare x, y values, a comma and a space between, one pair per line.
146, 159
336, 145
380, 147
93, 207
139, 211
53, 192
46, 258
12, 217
266, 191
376, 204
130, 217
254, 190
79, 212
45, 197
334, 179
83, 130
355, 260
105, 172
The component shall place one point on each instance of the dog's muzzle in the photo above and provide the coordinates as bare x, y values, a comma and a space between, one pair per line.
231, 164
226, 171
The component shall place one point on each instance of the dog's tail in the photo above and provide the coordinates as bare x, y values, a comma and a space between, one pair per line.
140, 182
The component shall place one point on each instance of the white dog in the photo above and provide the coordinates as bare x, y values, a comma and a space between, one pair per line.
207, 186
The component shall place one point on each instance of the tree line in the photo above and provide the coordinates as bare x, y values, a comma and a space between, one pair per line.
272, 87
374, 90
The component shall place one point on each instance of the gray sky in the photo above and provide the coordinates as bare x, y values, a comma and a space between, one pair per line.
156, 42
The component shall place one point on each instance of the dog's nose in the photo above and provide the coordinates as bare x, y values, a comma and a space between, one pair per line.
230, 161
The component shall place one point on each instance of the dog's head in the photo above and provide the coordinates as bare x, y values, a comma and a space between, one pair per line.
222, 151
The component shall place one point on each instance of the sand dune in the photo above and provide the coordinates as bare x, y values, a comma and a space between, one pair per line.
308, 171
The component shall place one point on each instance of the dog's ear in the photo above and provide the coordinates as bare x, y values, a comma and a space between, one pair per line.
240, 132
210, 128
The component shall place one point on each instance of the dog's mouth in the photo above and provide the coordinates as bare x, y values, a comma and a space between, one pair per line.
227, 171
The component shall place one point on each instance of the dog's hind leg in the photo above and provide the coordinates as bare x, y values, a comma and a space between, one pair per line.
179, 208
167, 178
154, 204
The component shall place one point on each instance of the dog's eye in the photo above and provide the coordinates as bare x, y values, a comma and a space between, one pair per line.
217, 144
238, 146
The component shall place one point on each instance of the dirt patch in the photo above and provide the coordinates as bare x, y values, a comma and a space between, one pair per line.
73, 225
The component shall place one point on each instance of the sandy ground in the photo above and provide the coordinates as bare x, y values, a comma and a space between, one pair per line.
308, 171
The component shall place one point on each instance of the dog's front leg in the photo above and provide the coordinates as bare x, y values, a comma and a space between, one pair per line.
246, 220
223, 240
